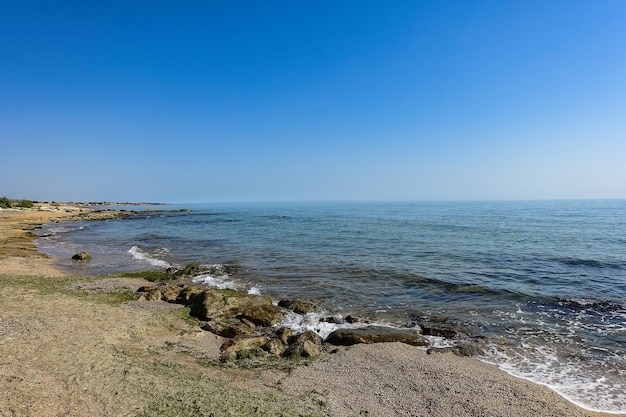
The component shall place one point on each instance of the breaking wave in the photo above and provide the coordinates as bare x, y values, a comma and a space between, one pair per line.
140, 255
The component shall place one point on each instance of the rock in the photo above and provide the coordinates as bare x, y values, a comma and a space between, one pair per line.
306, 336
464, 349
213, 303
348, 337
448, 329
82, 256
352, 319
153, 294
333, 320
170, 293
284, 334
306, 349
145, 288
266, 315
307, 344
298, 306
229, 327
274, 347
186, 294
189, 270
244, 343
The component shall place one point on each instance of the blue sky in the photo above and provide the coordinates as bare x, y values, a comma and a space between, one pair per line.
312, 100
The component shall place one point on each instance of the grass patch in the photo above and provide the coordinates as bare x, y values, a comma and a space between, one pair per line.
152, 276
111, 298
40, 284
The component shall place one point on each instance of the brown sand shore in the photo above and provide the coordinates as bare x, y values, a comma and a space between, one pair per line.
76, 346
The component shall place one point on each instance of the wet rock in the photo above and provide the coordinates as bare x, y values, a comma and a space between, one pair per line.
448, 329
333, 320
352, 319
348, 337
82, 256
266, 315
298, 306
464, 349
189, 270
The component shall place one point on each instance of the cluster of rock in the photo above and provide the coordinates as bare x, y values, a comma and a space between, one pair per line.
251, 323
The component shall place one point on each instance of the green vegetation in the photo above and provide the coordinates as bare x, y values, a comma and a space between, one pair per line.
152, 276
161, 276
191, 269
8, 203
5, 202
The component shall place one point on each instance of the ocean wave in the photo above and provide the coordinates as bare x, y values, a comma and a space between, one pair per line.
586, 303
591, 263
139, 254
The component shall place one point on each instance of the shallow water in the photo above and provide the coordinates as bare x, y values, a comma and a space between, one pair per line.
543, 282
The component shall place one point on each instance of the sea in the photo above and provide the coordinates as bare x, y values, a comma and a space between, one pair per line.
542, 284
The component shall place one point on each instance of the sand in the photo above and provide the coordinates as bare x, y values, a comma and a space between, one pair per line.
72, 346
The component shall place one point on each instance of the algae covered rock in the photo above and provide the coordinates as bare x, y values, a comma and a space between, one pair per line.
82, 256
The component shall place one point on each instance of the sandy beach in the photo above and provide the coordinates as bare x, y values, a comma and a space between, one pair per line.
82, 346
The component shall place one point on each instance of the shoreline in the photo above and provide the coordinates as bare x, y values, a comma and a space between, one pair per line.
381, 379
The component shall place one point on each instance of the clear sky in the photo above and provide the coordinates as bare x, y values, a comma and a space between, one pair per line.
312, 100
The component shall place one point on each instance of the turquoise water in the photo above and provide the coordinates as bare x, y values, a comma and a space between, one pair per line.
543, 284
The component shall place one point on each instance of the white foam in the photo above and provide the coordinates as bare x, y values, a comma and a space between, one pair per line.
139, 254
254, 290
314, 322
588, 388
218, 281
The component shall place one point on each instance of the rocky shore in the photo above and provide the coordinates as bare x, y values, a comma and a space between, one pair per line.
129, 346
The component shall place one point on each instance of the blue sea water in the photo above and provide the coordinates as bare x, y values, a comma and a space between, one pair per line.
543, 283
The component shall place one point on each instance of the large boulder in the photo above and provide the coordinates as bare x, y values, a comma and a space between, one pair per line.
445, 327
265, 315
213, 303
244, 343
374, 334
234, 347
